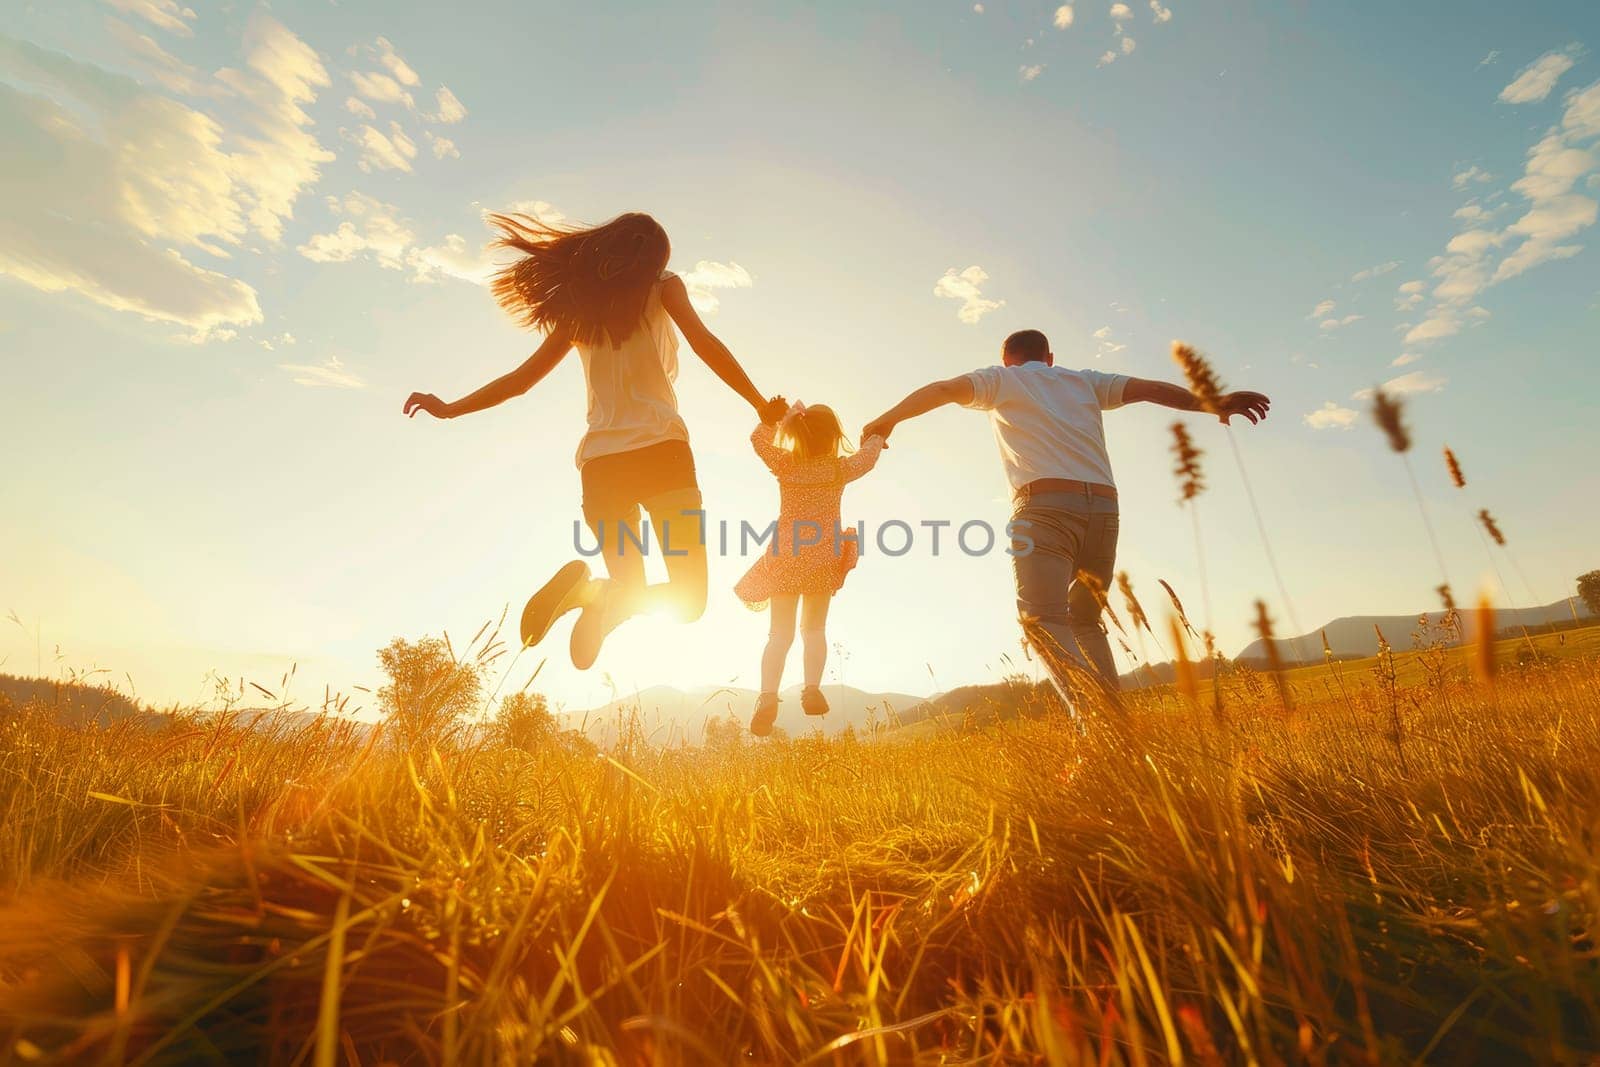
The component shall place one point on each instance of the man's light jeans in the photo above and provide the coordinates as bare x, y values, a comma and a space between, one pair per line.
1071, 532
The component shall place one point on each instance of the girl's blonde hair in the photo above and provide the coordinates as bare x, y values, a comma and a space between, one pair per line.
591, 281
814, 433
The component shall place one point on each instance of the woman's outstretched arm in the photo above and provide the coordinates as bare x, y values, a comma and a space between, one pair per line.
542, 362
715, 354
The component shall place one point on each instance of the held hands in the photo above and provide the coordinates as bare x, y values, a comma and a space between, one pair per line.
426, 402
773, 410
878, 427
1252, 406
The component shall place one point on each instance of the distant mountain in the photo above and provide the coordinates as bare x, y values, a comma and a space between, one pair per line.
1356, 636
670, 716
70, 703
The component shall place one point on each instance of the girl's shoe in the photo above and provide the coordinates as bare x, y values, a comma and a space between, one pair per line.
560, 594
812, 702
766, 715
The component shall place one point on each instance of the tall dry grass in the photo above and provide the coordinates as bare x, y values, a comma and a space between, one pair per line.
1326, 887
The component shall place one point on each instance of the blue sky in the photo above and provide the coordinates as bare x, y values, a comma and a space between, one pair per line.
234, 237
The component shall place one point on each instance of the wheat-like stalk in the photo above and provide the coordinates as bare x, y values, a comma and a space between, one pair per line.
1453, 465
1203, 381
1492, 527
1274, 659
1191, 479
1389, 413
1135, 609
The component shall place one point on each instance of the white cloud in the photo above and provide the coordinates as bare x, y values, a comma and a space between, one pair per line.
1102, 333
1334, 324
122, 180
1159, 13
329, 375
453, 258
1540, 76
1331, 416
542, 210
443, 147
168, 70
1063, 17
707, 277
391, 61
1106, 59
359, 108
1440, 322
165, 14
1128, 45
1121, 12
1463, 178
1405, 359
978, 8
1581, 120
284, 159
370, 228
1375, 272
1030, 72
380, 88
449, 109
1321, 309
1555, 213
380, 151
967, 287
1490, 58
1417, 381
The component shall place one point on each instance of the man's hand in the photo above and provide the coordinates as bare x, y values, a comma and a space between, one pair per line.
878, 427
426, 402
1252, 406
773, 410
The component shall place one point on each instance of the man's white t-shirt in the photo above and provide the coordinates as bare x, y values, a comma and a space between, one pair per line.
1047, 420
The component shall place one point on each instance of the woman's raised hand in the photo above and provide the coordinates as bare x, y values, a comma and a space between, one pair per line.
772, 410
426, 402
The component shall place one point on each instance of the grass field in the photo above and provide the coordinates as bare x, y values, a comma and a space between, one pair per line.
1403, 868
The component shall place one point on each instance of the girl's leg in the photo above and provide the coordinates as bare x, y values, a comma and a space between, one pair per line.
780, 637
814, 635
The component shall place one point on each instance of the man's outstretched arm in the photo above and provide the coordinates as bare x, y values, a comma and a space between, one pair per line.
1252, 406
957, 390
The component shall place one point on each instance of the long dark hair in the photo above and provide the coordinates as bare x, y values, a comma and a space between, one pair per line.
591, 281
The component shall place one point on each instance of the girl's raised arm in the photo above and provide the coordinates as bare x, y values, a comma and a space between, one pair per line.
715, 354
863, 459
551, 352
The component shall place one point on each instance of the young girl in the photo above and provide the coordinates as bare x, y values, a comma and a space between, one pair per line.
606, 291
810, 557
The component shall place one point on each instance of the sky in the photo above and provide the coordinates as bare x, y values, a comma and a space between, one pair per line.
234, 237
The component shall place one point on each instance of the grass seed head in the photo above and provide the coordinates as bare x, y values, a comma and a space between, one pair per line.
1191, 479
1274, 659
1493, 527
1203, 381
1389, 415
1452, 464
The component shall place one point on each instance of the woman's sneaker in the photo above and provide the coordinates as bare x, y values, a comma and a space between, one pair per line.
812, 702
563, 592
602, 613
766, 715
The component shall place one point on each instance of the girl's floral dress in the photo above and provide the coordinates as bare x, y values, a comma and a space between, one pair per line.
809, 494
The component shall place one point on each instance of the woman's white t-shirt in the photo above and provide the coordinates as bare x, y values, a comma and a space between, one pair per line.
632, 404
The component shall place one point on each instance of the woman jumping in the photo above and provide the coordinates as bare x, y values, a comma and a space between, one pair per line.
606, 291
